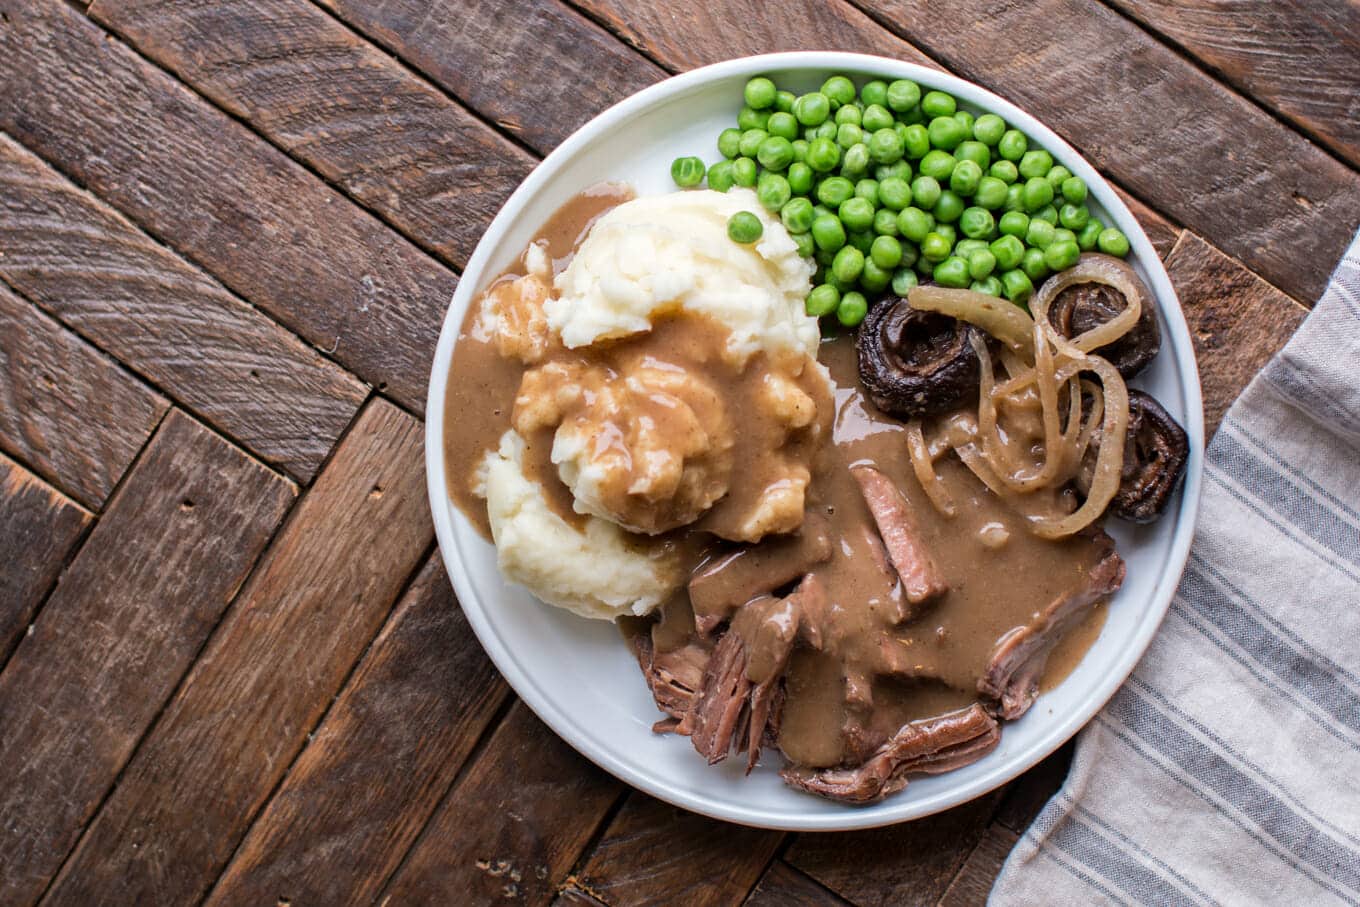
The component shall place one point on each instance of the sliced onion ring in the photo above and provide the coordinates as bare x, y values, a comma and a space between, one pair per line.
1092, 268
1006, 322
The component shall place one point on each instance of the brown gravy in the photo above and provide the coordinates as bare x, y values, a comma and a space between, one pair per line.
874, 672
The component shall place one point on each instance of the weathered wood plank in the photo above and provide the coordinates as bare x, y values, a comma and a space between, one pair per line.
974, 881
164, 318
38, 527
1160, 231
379, 763
571, 896
1026, 795
118, 632
784, 886
336, 102
513, 825
71, 413
205, 185
903, 865
1172, 135
265, 678
1237, 320
653, 853
535, 68
1302, 60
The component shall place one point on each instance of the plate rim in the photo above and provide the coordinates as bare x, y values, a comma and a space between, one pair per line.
851, 817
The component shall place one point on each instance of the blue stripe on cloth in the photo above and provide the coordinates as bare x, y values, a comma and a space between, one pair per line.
1312, 676
1133, 845
1310, 846
1076, 871
1261, 447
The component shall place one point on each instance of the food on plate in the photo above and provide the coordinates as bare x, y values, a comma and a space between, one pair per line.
864, 547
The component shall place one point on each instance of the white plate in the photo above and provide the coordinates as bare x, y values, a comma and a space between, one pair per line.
578, 675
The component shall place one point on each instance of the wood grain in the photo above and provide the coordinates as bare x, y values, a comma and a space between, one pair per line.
654, 853
267, 675
379, 763
166, 319
784, 886
70, 412
535, 68
571, 896
1173, 136
203, 184
513, 825
38, 528
123, 624
1302, 60
1024, 797
334, 101
974, 881
1237, 320
903, 865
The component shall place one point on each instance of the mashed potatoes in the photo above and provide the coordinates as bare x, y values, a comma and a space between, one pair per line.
599, 572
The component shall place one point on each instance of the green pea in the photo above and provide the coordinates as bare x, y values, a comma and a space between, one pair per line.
876, 117
855, 162
946, 132
744, 227
1039, 234
965, 177
1074, 189
1006, 171
976, 223
875, 91
1014, 223
935, 248
903, 280
917, 141
1062, 234
1038, 193
812, 109
850, 113
687, 171
759, 93
938, 104
828, 232
861, 239
988, 286
749, 118
857, 214
1017, 286
915, 224
783, 101
1087, 236
772, 191
800, 149
966, 119
886, 146
818, 210
1013, 145
729, 143
964, 248
796, 215
800, 178
1061, 255
775, 153
750, 141
952, 272
822, 300
875, 279
975, 152
1058, 175
1073, 217
867, 189
925, 191
989, 128
1047, 212
1113, 242
839, 89
852, 309
981, 264
895, 193
903, 95
848, 264
832, 281
744, 172
937, 163
1033, 264
804, 243
990, 194
901, 170
948, 232
834, 190
949, 208
910, 253
1035, 163
825, 131
886, 252
783, 125
823, 155
885, 222
1015, 197
720, 177
848, 134
1009, 251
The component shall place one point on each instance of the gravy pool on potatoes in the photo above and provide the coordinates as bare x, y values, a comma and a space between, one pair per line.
877, 665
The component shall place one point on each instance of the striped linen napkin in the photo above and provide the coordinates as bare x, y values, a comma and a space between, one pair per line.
1227, 769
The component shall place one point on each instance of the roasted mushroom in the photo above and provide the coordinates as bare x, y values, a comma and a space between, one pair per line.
915, 363
1155, 451
1093, 293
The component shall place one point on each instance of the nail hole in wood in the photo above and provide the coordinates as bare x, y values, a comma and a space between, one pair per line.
376, 492
186, 505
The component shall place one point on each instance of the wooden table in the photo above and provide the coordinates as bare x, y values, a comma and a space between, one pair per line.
233, 668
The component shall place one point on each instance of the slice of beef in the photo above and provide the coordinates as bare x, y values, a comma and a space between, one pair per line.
814, 627
930, 746
1011, 681
674, 677
921, 578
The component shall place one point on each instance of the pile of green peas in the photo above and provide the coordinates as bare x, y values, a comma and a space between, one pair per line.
891, 185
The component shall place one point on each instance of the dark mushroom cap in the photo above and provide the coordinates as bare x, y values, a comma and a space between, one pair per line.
1084, 306
1155, 451
915, 363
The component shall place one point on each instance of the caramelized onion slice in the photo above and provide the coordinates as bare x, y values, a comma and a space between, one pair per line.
1092, 268
1005, 321
923, 465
